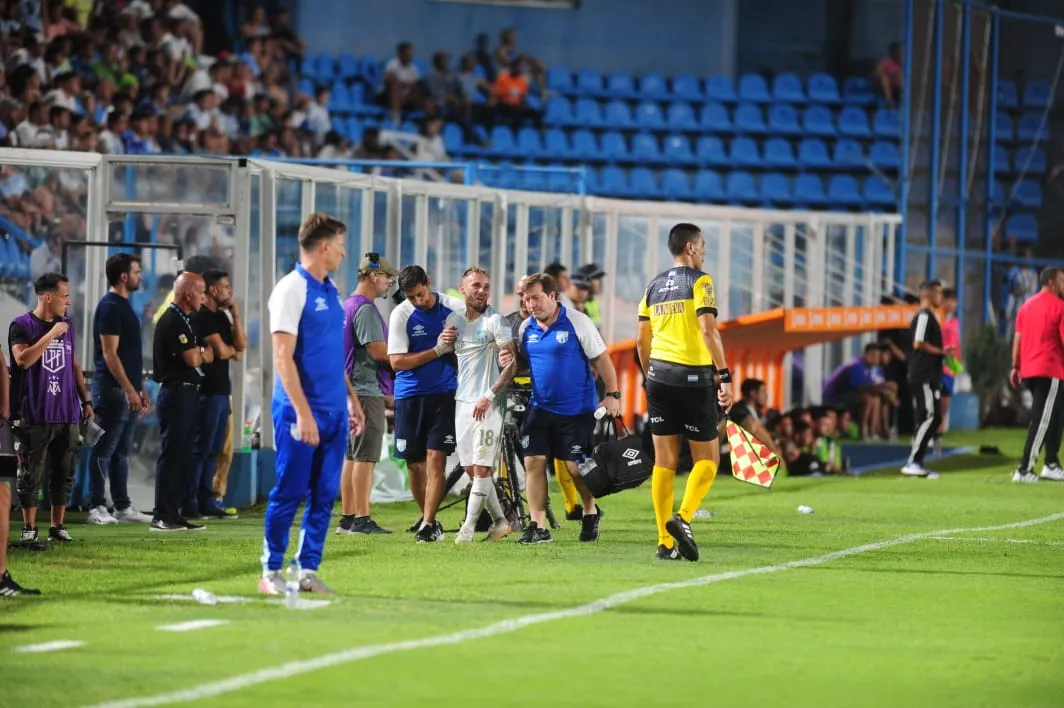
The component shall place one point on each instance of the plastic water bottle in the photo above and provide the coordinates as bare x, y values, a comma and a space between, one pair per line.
803, 509
245, 445
204, 597
600, 413
291, 585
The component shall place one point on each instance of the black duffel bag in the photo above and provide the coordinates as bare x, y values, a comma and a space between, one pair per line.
617, 463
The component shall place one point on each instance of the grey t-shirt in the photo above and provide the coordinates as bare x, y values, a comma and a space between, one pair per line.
368, 328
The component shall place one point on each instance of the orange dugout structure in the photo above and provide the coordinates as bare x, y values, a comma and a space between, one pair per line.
757, 345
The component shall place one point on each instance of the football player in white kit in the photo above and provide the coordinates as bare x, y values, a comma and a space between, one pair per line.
480, 400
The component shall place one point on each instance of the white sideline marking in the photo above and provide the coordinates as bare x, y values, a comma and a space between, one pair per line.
57, 645
222, 599
996, 540
303, 604
295, 668
191, 625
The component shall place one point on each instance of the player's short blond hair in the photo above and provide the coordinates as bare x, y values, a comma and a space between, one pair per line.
474, 270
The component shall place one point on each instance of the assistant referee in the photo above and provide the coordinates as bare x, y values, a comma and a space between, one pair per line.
682, 357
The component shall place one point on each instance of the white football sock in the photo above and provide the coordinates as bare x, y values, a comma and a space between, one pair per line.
494, 507
478, 495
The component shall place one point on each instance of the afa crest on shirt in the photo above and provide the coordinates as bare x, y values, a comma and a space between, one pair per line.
182, 338
562, 337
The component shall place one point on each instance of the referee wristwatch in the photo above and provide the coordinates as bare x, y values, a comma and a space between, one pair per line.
613, 394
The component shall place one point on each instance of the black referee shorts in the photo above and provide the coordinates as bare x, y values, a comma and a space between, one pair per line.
683, 410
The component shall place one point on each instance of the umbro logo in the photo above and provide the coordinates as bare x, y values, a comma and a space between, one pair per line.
630, 454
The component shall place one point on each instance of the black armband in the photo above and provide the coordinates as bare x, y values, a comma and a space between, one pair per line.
725, 376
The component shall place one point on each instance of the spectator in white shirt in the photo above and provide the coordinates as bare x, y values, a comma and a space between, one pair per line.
402, 83
36, 119
58, 123
203, 109
317, 119
110, 142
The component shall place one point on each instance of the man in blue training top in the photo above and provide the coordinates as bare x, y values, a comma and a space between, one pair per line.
313, 403
421, 337
564, 351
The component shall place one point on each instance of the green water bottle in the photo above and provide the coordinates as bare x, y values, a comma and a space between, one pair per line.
245, 444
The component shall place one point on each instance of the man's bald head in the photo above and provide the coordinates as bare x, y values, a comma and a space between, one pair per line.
190, 292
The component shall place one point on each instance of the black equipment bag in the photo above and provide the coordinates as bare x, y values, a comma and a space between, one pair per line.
617, 463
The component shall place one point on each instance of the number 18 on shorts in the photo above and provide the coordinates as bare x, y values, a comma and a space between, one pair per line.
478, 440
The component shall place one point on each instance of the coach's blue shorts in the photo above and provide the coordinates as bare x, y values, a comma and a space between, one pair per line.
947, 385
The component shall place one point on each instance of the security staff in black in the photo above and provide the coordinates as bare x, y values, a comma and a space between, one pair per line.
925, 377
178, 356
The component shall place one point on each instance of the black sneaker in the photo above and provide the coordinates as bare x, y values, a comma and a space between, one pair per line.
685, 540
366, 525
430, 533
576, 514
667, 554
29, 534
346, 522
165, 526
589, 531
9, 588
417, 525
59, 534
189, 526
534, 534
212, 512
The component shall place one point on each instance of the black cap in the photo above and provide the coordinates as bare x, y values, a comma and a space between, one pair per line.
591, 271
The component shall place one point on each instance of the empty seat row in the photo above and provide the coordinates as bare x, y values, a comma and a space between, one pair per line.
1036, 94
1022, 227
1031, 160
1026, 194
1029, 128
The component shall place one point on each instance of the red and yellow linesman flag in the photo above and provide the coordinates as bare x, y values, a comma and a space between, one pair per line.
751, 460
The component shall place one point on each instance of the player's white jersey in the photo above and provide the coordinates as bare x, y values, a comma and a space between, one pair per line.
477, 349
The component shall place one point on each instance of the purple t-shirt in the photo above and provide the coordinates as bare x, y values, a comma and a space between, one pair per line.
850, 377
362, 326
46, 392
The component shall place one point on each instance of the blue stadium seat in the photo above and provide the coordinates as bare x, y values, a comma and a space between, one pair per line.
687, 87
559, 79
817, 120
532, 180
787, 87
743, 152
324, 68
675, 185
708, 186
843, 191
618, 116
585, 146
1030, 128
452, 138
529, 143
1004, 129
306, 67
347, 67
783, 120
340, 98
1008, 97
503, 143
371, 70
360, 106
1036, 94
653, 86
857, 90
613, 181
678, 150
715, 118
557, 144
645, 148
1002, 163
642, 182
709, 150
741, 188
1031, 160
885, 155
849, 155
587, 113
648, 116
589, 82
877, 193
824, 89
559, 181
809, 189
779, 154
813, 154
682, 117
619, 84
306, 87
1023, 228
614, 147
887, 123
720, 88
749, 119
1028, 194
853, 122
558, 112
776, 189
752, 87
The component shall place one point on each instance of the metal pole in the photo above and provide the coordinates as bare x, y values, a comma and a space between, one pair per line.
906, 146
936, 135
991, 141
962, 172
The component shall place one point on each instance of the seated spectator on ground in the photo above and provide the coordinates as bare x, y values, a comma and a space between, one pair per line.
804, 434
801, 463
402, 83
889, 76
826, 446
859, 386
847, 428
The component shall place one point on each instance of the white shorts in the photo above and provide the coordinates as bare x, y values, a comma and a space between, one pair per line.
478, 440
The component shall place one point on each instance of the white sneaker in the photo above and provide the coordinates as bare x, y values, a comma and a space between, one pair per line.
99, 516
1020, 477
464, 535
130, 515
499, 530
1052, 472
914, 470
